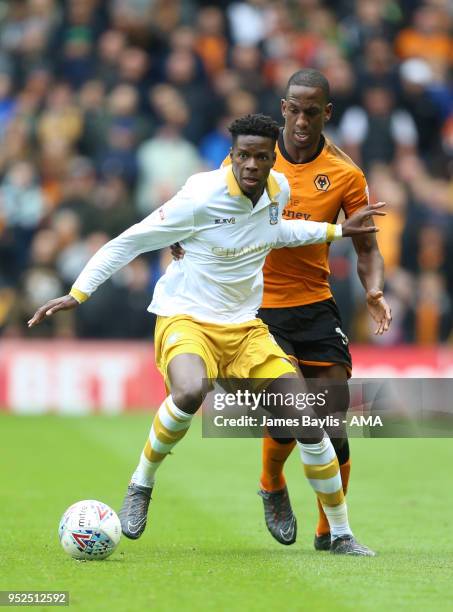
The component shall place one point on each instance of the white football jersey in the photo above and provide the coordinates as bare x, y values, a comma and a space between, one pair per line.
226, 241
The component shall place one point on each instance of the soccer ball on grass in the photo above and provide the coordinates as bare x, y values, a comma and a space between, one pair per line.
89, 530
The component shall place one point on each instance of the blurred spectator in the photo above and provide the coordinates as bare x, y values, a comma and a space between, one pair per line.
370, 19
377, 131
21, 210
428, 36
61, 117
247, 22
416, 78
377, 66
211, 43
215, 145
92, 103
246, 61
165, 163
78, 195
107, 107
76, 65
134, 69
181, 72
7, 101
39, 284
111, 46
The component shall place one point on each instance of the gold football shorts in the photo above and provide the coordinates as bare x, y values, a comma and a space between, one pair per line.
236, 350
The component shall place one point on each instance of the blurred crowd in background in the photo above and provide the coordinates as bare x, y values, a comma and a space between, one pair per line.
107, 107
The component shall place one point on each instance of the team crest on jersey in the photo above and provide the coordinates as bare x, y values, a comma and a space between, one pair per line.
273, 213
322, 182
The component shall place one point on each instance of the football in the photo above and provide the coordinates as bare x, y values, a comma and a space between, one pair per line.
89, 530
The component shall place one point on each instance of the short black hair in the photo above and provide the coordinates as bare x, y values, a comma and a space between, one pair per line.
310, 78
254, 125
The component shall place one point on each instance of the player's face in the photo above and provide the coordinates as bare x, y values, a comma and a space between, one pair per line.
305, 112
252, 158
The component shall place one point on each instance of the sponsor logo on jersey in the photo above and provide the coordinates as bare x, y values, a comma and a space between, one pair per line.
230, 221
322, 182
273, 213
292, 214
161, 213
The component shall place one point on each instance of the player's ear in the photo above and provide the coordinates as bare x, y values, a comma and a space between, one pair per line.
328, 111
231, 153
283, 107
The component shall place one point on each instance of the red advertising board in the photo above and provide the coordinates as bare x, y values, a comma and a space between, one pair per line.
75, 377
78, 377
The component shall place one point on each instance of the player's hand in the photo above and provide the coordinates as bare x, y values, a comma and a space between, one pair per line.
359, 222
177, 251
379, 310
66, 302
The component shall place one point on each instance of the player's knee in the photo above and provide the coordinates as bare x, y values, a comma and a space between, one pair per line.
341, 446
188, 396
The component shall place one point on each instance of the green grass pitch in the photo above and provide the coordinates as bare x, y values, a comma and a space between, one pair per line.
206, 546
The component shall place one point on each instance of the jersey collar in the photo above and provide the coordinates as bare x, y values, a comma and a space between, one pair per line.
287, 156
272, 186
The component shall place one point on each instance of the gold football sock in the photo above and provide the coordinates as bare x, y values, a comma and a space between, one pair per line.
169, 426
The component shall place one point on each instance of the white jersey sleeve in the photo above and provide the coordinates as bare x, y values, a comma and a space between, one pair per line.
172, 222
300, 233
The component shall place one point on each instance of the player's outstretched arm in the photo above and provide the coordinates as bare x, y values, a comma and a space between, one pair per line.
301, 233
66, 302
358, 223
370, 268
172, 222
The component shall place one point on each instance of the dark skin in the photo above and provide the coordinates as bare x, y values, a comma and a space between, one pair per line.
252, 158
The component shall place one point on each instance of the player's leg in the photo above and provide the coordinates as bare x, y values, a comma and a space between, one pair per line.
183, 357
252, 361
312, 334
334, 377
170, 424
275, 452
321, 468
185, 375
278, 513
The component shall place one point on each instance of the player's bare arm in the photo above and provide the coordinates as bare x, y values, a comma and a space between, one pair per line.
360, 224
370, 268
66, 302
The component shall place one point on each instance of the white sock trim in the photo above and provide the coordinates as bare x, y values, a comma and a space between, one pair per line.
338, 520
317, 454
177, 411
144, 472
